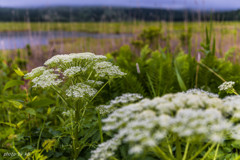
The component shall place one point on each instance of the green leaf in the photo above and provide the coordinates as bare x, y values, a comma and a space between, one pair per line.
62, 121
16, 104
42, 102
179, 78
30, 111
9, 124
19, 124
13, 83
19, 72
150, 82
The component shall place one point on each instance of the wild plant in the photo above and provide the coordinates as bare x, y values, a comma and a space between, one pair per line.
184, 126
77, 78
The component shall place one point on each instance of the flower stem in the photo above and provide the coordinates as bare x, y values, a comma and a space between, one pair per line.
100, 126
205, 66
75, 133
210, 149
186, 150
169, 148
216, 153
19, 154
160, 153
99, 91
39, 138
178, 149
199, 151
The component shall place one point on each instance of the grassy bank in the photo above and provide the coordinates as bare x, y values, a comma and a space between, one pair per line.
113, 27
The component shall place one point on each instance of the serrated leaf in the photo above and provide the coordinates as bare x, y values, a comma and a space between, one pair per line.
13, 83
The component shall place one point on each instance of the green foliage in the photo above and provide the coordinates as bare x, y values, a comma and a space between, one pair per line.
32, 121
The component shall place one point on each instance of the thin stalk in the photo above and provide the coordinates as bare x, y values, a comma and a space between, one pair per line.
170, 148
64, 100
196, 79
93, 99
150, 82
235, 92
39, 138
216, 153
72, 133
75, 138
186, 150
202, 64
19, 154
160, 153
207, 153
178, 149
99, 91
83, 113
100, 126
200, 151
89, 75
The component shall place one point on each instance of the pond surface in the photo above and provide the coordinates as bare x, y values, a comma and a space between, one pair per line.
19, 39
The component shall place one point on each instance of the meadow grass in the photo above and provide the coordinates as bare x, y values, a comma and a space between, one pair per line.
113, 27
174, 33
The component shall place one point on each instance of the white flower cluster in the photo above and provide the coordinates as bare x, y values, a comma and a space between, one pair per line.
94, 83
106, 149
193, 115
73, 71
68, 58
46, 79
68, 113
119, 101
85, 69
107, 70
232, 106
35, 72
200, 92
226, 86
80, 90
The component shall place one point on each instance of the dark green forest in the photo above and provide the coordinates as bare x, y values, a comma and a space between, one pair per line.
96, 14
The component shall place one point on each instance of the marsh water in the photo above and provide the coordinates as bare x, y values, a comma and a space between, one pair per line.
19, 39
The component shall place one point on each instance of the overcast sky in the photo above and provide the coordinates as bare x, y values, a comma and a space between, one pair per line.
169, 4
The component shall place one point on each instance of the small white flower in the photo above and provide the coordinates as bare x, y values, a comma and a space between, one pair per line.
136, 149
35, 72
226, 86
201, 92
73, 71
94, 83
107, 70
119, 101
46, 79
80, 90
149, 122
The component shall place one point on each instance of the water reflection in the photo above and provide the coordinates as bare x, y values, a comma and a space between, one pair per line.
19, 39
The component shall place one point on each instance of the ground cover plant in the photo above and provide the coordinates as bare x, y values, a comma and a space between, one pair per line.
137, 102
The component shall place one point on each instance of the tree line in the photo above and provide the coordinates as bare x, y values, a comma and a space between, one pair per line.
108, 14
